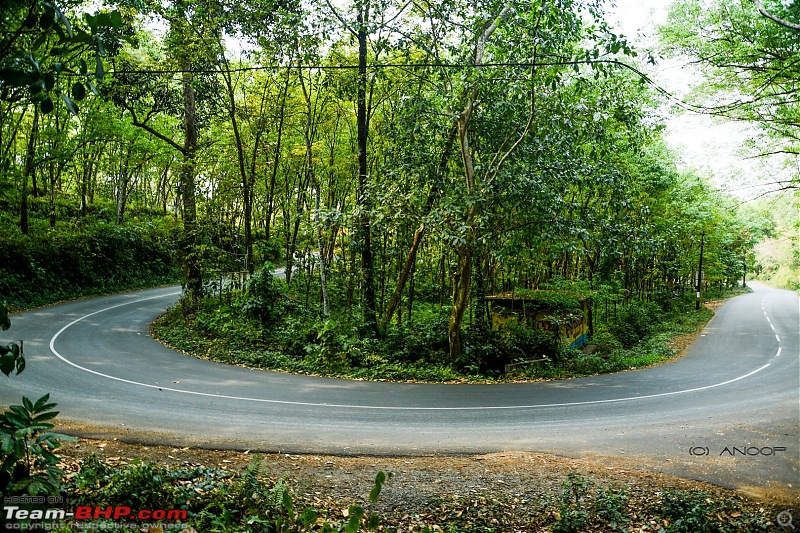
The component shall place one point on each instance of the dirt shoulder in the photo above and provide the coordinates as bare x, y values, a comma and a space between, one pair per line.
520, 491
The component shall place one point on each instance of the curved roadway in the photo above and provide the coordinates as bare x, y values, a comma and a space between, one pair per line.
727, 412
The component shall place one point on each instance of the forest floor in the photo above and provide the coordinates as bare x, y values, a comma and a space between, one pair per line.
508, 491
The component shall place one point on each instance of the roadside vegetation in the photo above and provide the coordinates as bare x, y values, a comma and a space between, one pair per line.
82, 257
268, 326
777, 253
251, 499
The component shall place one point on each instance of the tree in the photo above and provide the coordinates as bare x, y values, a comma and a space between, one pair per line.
370, 18
38, 44
516, 54
749, 55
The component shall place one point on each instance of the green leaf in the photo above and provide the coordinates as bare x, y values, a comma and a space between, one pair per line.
373, 521
46, 416
71, 105
288, 504
17, 420
37, 86
99, 72
308, 518
46, 106
41, 403
39, 42
7, 364
354, 523
78, 91
84, 68
375, 492
64, 20
46, 20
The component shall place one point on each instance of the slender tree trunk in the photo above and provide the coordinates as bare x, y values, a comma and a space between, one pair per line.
307, 136
364, 224
247, 182
29, 172
461, 289
191, 266
463, 278
480, 291
411, 258
276, 158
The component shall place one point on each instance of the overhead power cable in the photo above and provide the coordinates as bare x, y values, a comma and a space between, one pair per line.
644, 77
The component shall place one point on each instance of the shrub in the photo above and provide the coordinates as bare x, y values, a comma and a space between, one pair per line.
520, 342
82, 259
635, 323
27, 462
265, 298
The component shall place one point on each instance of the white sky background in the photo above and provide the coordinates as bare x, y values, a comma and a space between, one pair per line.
713, 148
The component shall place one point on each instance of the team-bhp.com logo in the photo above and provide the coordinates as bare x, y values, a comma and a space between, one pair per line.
739, 451
16, 514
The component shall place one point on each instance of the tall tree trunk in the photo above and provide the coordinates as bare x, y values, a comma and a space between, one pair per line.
29, 172
307, 136
463, 278
246, 178
191, 266
276, 158
461, 289
365, 205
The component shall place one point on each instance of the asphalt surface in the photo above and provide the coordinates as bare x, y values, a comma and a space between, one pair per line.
727, 412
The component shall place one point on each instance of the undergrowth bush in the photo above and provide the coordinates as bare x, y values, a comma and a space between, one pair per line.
78, 259
214, 500
268, 327
636, 322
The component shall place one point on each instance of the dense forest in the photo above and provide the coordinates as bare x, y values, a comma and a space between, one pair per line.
400, 163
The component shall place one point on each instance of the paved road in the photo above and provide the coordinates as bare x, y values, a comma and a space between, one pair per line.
728, 412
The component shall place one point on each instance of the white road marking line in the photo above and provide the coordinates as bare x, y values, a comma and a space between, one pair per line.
362, 407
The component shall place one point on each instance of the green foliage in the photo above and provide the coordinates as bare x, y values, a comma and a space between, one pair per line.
518, 341
749, 66
573, 507
215, 500
265, 298
12, 357
5, 322
39, 44
636, 322
697, 512
301, 342
27, 462
72, 261
145, 485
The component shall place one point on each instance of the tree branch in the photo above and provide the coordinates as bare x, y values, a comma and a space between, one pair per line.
155, 133
785, 23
